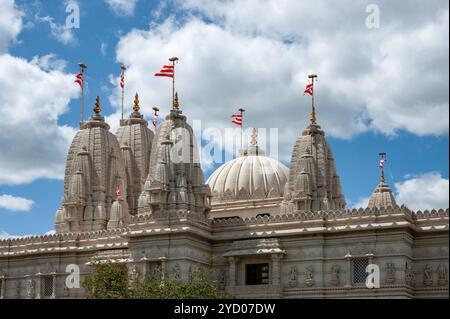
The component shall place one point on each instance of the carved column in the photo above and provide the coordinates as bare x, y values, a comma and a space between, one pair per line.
163, 267
54, 286
276, 269
2, 287
232, 278
348, 283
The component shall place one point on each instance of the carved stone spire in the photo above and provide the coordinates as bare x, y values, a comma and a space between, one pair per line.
382, 195
312, 156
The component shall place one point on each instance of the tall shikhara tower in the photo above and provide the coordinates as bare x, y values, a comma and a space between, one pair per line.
175, 180
313, 183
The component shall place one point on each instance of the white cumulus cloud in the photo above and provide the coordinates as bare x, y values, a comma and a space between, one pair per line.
16, 204
33, 144
122, 7
257, 55
59, 31
426, 191
10, 23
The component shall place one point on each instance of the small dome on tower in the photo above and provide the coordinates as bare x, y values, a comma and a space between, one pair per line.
382, 195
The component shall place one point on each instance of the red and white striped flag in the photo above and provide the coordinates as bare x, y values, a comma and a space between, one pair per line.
382, 162
166, 70
117, 191
237, 119
122, 79
309, 89
155, 120
79, 79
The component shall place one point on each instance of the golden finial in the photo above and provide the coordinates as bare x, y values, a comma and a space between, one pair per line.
97, 105
176, 105
136, 107
313, 116
254, 139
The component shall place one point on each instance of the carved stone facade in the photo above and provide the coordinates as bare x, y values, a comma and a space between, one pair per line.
164, 220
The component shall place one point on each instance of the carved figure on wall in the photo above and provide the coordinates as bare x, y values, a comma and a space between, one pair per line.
134, 274
222, 279
442, 275
176, 272
335, 269
390, 273
409, 274
31, 289
427, 275
293, 277
309, 276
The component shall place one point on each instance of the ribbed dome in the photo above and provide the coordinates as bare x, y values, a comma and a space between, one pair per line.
249, 177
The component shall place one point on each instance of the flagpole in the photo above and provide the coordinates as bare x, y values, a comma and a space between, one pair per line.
242, 129
82, 66
173, 60
155, 114
313, 111
123, 68
383, 157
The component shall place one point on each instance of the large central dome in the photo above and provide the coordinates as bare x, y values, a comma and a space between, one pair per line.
248, 177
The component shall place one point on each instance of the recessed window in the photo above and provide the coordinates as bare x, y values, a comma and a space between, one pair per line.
48, 286
359, 270
257, 274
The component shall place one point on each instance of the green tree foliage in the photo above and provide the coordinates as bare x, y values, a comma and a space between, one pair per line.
111, 281
108, 281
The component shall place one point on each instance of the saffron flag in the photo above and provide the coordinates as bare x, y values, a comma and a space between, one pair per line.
237, 119
79, 79
122, 79
117, 191
308, 89
166, 70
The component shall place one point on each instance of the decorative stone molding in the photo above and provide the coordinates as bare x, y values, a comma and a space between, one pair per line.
263, 246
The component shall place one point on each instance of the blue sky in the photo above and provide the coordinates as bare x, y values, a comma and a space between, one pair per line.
373, 92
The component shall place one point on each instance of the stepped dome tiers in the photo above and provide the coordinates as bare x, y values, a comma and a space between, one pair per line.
175, 179
94, 170
135, 141
382, 196
313, 183
252, 176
